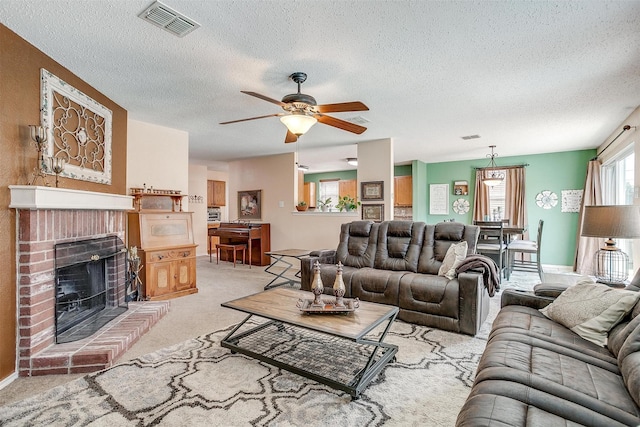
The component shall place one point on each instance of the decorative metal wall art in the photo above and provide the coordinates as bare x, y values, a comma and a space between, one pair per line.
461, 206
79, 130
546, 199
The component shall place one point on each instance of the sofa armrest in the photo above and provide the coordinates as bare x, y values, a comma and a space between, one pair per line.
473, 302
324, 256
551, 290
525, 298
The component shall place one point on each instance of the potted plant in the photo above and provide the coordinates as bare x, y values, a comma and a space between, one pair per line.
324, 205
347, 203
302, 206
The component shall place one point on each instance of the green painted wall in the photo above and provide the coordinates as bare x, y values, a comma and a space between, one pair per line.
553, 171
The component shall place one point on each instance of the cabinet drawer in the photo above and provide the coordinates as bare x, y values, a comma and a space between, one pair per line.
171, 254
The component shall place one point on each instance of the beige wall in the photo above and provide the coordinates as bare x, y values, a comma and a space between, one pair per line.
198, 187
375, 163
276, 177
158, 156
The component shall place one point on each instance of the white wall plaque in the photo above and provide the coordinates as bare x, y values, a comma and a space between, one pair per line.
439, 199
571, 200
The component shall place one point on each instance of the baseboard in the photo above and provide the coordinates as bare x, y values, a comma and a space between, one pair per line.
11, 378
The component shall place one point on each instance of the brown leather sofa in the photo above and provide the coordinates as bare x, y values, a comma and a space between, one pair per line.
536, 372
397, 263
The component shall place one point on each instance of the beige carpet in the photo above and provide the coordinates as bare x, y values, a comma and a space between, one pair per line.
196, 379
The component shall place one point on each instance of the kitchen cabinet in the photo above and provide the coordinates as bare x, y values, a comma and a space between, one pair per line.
167, 253
403, 190
348, 187
216, 193
309, 194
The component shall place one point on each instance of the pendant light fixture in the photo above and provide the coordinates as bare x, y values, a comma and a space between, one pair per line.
297, 123
492, 175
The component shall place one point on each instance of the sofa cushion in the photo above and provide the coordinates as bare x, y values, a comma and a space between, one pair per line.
529, 321
399, 244
436, 295
591, 310
454, 257
629, 361
375, 285
358, 242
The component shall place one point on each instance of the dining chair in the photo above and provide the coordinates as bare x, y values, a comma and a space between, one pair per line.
491, 243
523, 247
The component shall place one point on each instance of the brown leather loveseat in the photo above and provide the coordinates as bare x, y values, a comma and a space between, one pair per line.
397, 263
536, 372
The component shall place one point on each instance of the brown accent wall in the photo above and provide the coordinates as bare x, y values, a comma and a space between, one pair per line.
20, 65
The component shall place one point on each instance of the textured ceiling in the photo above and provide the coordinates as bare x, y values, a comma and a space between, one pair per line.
527, 76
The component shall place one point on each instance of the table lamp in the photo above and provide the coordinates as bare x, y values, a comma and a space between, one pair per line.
619, 221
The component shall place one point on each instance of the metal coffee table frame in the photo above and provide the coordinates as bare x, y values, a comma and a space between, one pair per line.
341, 362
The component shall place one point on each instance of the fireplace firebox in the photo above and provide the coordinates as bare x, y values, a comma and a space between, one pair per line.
90, 282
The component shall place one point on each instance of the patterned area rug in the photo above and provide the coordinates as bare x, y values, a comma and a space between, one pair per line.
199, 383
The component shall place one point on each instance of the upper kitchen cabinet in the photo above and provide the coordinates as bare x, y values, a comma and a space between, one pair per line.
403, 188
216, 193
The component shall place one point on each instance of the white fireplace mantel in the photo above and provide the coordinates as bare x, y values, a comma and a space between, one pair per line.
38, 197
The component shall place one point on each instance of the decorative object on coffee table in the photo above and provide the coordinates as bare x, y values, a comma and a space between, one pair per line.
328, 306
338, 287
316, 286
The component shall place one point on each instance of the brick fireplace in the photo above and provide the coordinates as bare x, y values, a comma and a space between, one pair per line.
46, 217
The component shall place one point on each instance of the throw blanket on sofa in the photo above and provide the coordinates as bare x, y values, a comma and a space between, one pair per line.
487, 267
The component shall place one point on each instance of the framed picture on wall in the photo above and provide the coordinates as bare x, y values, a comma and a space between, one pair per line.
250, 204
373, 212
372, 190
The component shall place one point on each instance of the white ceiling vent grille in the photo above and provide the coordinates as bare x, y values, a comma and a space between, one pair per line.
359, 120
468, 137
168, 19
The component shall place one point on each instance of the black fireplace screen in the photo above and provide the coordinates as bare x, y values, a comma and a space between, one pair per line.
90, 286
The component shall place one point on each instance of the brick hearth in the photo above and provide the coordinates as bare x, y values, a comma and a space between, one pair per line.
100, 350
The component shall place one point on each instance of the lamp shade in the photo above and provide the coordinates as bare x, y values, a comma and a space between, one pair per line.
298, 124
618, 221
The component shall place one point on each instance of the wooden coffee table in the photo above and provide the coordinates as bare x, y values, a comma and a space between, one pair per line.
333, 349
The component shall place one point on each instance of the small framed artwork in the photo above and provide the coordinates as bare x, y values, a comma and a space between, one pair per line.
250, 204
373, 212
460, 188
372, 190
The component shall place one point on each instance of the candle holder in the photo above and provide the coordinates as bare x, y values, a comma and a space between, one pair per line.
57, 166
39, 136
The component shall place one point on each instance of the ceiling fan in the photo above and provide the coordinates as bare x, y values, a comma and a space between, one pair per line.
301, 111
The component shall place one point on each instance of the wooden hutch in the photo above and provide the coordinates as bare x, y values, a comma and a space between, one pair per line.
163, 234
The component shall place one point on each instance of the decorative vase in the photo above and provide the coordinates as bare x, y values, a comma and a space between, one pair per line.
316, 286
338, 287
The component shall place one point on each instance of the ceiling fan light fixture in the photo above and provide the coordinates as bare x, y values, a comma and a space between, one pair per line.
298, 124
353, 161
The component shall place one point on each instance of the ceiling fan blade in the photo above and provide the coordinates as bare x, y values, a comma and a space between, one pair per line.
291, 137
340, 107
265, 98
253, 118
341, 124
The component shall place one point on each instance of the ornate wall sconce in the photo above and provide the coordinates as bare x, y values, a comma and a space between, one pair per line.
57, 166
39, 136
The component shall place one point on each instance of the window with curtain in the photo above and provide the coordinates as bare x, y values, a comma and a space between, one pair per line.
329, 189
618, 183
497, 196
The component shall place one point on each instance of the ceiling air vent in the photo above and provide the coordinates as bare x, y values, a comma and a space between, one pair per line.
359, 120
470, 137
168, 19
